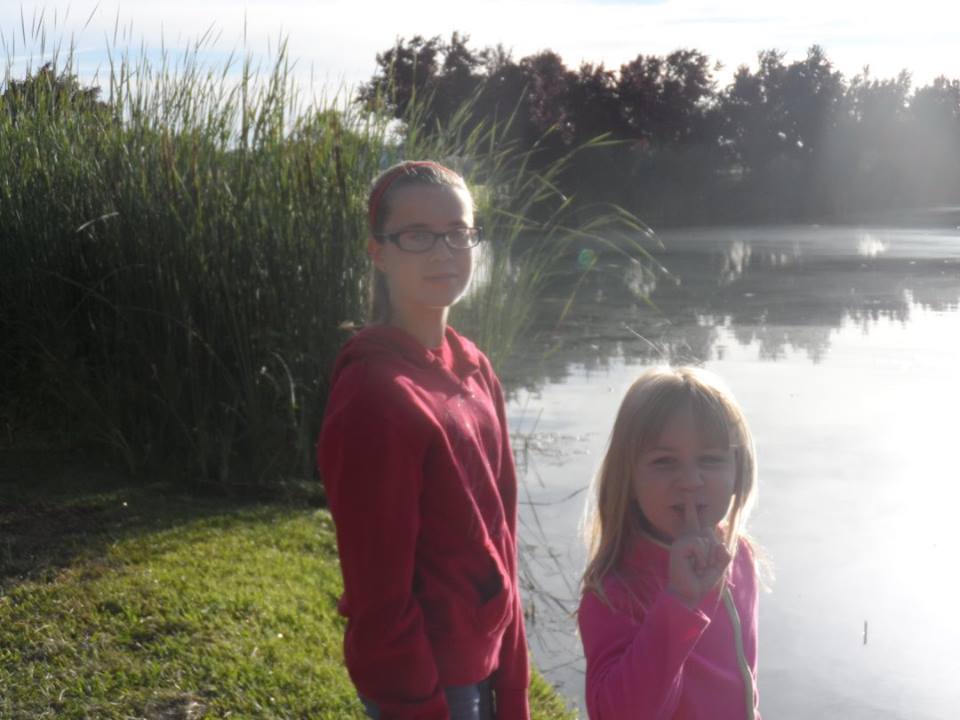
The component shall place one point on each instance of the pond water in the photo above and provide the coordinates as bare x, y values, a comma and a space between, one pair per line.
843, 346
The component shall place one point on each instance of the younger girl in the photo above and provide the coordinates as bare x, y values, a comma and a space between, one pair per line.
668, 616
419, 474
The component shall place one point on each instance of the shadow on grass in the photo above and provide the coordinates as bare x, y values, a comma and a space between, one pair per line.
57, 507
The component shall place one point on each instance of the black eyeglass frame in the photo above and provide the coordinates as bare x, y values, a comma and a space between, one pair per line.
395, 239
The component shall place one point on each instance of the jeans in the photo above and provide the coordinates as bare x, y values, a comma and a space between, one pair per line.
466, 702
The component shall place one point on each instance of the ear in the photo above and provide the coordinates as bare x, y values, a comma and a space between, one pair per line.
375, 251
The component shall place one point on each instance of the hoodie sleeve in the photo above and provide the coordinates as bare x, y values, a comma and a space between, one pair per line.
371, 463
512, 678
635, 666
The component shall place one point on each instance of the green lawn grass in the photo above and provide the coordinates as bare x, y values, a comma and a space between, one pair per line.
138, 602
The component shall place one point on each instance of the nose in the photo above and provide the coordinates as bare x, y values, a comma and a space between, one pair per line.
690, 477
441, 250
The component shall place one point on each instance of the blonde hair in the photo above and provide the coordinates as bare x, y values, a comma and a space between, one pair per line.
613, 518
382, 190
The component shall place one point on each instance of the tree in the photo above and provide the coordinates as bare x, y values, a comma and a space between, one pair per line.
504, 98
549, 85
776, 122
594, 104
49, 92
878, 140
664, 99
932, 167
437, 77
406, 71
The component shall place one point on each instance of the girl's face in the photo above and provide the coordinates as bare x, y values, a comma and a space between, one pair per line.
424, 282
682, 463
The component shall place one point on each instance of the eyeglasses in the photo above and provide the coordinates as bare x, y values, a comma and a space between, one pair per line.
421, 241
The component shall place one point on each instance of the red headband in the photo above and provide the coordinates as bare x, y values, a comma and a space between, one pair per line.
387, 181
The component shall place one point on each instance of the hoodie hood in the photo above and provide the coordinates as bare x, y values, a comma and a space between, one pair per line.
388, 342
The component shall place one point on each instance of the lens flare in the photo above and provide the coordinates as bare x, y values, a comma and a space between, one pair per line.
586, 259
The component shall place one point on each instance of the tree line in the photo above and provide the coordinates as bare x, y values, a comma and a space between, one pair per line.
785, 141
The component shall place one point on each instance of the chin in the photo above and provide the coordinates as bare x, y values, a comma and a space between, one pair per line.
443, 300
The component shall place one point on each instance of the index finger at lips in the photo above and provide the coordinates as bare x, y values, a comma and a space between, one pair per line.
691, 521
718, 553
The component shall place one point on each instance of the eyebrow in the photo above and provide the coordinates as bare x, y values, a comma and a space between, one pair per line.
428, 226
666, 448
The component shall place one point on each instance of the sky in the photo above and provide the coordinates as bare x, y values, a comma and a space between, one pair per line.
335, 42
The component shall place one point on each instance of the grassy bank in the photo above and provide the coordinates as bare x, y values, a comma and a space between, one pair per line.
141, 602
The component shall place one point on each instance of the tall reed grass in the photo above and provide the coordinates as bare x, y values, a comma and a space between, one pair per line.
177, 258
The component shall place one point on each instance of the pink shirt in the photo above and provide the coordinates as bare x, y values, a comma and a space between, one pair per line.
649, 656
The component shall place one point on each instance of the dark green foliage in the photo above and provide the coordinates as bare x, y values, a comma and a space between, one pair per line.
49, 93
786, 141
177, 262
172, 283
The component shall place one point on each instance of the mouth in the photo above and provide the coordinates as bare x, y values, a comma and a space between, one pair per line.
441, 277
681, 511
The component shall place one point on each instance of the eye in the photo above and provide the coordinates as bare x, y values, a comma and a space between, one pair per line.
714, 459
420, 237
416, 240
662, 461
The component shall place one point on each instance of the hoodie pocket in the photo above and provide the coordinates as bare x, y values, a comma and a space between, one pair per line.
495, 614
496, 609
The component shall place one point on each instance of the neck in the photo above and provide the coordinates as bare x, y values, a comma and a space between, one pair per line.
428, 326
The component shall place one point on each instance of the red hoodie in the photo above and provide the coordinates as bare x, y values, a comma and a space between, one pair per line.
420, 480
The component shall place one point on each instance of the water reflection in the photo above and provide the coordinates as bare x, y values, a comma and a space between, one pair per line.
781, 289
870, 246
735, 261
854, 422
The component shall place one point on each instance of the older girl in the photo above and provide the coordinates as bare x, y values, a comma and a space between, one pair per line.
419, 475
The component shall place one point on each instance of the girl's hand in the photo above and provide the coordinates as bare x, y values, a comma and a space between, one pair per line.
697, 559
